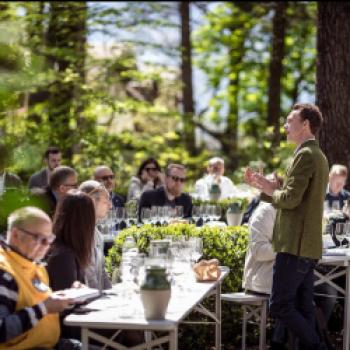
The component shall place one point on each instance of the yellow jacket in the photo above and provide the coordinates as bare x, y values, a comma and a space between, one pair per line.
46, 332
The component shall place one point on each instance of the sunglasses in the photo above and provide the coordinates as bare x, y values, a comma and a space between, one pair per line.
107, 177
178, 179
39, 238
151, 169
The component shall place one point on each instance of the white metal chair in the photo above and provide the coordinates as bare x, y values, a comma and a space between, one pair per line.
252, 306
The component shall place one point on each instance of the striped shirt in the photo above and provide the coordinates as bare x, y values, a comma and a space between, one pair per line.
14, 323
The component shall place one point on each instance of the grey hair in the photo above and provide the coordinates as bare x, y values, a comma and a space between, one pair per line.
92, 188
174, 166
25, 216
215, 160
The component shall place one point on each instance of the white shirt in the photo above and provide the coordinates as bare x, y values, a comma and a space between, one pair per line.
228, 189
260, 256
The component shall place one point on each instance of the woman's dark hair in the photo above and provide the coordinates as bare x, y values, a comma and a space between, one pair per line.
145, 163
74, 225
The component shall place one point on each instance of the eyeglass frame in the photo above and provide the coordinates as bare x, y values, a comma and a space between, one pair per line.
38, 237
151, 169
71, 185
177, 178
107, 177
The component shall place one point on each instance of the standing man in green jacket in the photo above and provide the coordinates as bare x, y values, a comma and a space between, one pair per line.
297, 236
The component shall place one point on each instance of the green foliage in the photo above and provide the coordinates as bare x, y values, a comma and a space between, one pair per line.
228, 245
241, 203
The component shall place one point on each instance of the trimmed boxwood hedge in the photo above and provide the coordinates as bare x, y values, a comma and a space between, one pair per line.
227, 244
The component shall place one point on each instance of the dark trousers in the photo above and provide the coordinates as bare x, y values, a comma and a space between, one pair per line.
291, 300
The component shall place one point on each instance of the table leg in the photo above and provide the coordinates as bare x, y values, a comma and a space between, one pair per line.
346, 335
218, 316
85, 338
173, 338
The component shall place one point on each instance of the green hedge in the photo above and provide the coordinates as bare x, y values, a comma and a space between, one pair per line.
227, 244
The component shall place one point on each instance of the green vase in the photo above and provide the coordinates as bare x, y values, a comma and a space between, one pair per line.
155, 293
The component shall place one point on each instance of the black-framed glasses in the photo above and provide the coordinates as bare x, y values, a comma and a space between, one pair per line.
108, 177
71, 185
178, 179
148, 169
38, 237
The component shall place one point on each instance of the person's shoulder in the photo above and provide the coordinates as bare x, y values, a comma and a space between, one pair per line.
264, 210
116, 197
226, 179
345, 193
60, 250
38, 173
135, 180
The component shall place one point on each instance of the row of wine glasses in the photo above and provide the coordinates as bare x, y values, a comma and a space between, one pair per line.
206, 213
161, 215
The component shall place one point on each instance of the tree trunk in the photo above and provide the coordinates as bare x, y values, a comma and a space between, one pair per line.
333, 79
276, 70
186, 74
66, 42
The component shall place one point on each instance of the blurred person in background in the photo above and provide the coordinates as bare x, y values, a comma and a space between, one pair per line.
105, 175
215, 176
149, 177
52, 159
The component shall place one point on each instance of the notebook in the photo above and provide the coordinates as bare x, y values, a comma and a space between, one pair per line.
79, 295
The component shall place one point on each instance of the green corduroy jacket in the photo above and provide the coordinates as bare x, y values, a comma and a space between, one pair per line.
298, 225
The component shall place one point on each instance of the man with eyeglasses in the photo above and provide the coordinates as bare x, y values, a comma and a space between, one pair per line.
62, 179
106, 176
28, 310
171, 194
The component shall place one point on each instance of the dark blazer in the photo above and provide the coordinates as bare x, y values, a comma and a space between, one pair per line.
39, 179
298, 225
46, 200
159, 198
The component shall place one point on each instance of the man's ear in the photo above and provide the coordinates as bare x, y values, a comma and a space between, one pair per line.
15, 233
61, 189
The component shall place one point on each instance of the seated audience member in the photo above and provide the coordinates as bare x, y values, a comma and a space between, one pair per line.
28, 311
52, 158
171, 194
74, 227
253, 204
62, 180
260, 256
71, 254
336, 195
96, 275
215, 176
149, 177
106, 176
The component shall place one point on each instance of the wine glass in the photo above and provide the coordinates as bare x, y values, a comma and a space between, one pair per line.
146, 216
340, 232
196, 214
196, 244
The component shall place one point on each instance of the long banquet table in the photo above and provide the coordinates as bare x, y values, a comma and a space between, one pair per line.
105, 314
